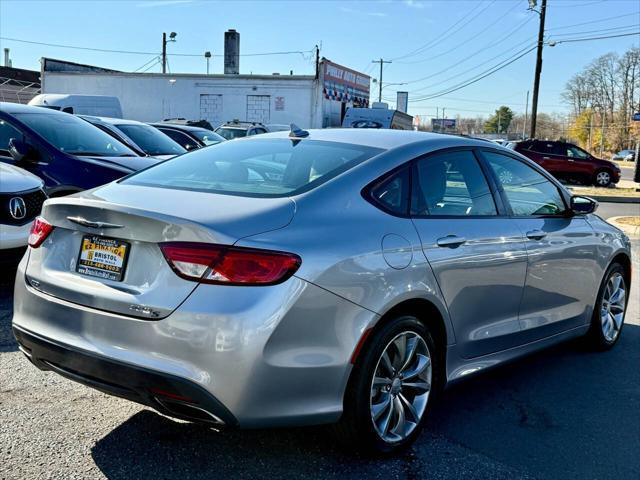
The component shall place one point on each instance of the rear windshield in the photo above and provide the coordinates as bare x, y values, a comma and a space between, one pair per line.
73, 135
255, 168
231, 133
150, 139
208, 137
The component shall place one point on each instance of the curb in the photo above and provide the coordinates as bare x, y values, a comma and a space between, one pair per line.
628, 229
612, 199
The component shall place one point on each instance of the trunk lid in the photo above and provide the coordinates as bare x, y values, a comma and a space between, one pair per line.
141, 217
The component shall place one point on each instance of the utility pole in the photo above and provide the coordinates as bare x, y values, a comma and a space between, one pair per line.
317, 62
526, 111
172, 38
590, 130
164, 52
602, 134
381, 62
499, 126
536, 81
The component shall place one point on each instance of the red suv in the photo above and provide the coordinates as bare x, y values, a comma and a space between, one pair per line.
568, 162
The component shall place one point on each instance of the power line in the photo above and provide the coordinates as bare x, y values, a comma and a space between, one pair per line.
133, 52
634, 14
586, 39
602, 30
464, 42
473, 55
450, 31
478, 78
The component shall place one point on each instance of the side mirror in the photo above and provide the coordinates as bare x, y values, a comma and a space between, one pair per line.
21, 151
583, 205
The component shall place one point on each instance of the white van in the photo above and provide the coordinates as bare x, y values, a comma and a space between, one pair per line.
377, 118
95, 105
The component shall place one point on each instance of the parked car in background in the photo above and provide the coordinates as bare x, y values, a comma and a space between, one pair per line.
346, 290
569, 162
68, 153
377, 118
238, 129
98, 105
274, 127
188, 136
21, 198
624, 155
140, 137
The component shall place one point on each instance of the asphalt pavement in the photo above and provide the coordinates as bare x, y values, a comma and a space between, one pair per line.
564, 413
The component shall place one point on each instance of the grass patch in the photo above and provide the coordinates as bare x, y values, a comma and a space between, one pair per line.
631, 221
609, 192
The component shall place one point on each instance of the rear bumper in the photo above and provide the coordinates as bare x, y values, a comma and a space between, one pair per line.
168, 394
271, 356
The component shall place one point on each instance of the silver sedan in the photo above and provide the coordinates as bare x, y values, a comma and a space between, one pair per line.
329, 276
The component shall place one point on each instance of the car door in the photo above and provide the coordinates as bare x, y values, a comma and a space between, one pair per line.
476, 252
563, 272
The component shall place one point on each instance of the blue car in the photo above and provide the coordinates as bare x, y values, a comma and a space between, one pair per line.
69, 154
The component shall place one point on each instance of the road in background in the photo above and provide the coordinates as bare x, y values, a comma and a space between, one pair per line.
565, 412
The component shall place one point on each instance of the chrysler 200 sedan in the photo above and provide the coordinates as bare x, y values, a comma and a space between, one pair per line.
329, 276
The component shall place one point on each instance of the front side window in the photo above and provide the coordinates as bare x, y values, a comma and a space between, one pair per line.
7, 132
451, 184
73, 135
575, 152
257, 168
528, 191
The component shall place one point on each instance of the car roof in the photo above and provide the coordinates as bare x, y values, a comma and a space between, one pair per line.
111, 121
12, 108
386, 139
180, 126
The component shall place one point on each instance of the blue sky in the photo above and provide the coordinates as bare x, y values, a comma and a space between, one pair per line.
434, 45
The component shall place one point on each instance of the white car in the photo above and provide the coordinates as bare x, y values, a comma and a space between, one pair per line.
21, 198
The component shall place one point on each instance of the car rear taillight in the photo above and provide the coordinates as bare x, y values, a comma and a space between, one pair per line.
225, 265
40, 230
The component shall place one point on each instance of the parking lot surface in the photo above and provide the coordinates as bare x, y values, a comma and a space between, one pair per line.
563, 413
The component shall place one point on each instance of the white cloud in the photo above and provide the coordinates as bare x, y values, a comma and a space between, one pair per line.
376, 14
161, 3
414, 4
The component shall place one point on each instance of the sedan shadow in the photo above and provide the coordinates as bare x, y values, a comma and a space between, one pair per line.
565, 412
7, 276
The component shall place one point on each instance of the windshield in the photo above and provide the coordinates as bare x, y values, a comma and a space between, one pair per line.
73, 135
258, 168
208, 137
150, 139
231, 133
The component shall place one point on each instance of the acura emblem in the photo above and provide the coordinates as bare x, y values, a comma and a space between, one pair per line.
17, 208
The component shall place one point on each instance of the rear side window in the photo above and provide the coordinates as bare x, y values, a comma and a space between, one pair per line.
181, 138
528, 191
256, 168
544, 147
451, 184
392, 193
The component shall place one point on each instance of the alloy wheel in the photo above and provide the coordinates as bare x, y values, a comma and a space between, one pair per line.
603, 179
400, 387
612, 307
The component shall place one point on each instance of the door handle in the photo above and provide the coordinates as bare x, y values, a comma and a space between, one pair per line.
536, 234
546, 158
450, 241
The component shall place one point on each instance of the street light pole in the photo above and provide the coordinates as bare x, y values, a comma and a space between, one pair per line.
381, 62
172, 38
526, 112
536, 81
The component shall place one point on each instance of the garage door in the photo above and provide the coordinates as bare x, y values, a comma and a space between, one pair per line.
258, 108
211, 109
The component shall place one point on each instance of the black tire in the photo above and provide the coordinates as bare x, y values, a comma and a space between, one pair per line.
598, 178
355, 430
595, 337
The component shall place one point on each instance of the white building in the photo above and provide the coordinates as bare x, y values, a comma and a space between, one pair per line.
310, 101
